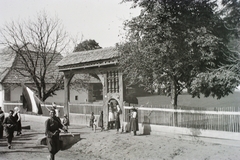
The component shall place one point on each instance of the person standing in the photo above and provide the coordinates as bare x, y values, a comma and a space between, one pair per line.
117, 122
18, 121
65, 122
134, 121
100, 121
92, 120
54, 106
9, 124
1, 122
52, 126
111, 117
94, 124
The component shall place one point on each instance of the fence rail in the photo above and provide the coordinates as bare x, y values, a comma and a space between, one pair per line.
86, 108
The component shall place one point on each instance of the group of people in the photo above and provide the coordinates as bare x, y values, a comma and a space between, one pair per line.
133, 126
53, 126
10, 124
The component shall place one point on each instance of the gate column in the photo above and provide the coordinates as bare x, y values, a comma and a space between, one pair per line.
67, 80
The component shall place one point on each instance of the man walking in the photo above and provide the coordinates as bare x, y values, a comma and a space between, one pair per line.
53, 124
9, 123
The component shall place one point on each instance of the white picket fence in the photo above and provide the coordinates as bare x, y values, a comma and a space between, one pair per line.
222, 119
219, 120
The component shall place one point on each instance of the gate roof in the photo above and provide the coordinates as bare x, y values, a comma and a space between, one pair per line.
88, 59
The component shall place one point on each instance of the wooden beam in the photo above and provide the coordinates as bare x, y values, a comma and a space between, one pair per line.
67, 80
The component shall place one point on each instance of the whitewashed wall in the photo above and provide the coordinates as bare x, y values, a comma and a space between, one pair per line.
58, 98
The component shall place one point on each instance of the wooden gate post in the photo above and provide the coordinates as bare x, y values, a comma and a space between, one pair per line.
67, 80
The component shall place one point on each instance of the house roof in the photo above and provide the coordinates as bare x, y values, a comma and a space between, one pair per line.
12, 76
79, 59
6, 60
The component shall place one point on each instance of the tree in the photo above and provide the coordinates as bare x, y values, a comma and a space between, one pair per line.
231, 13
87, 45
38, 44
223, 80
172, 42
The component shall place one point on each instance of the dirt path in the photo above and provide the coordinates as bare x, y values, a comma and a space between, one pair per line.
108, 145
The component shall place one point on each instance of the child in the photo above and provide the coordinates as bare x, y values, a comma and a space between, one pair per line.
94, 124
65, 122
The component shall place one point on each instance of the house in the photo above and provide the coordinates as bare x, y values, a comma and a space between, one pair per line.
10, 81
6, 60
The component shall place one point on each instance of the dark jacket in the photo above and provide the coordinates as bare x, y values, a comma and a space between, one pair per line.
53, 125
9, 124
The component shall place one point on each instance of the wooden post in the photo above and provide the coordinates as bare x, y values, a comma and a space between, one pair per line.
105, 101
67, 80
120, 86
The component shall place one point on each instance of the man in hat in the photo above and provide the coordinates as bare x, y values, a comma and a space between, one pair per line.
1, 121
53, 124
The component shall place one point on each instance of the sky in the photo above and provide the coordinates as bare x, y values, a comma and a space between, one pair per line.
101, 20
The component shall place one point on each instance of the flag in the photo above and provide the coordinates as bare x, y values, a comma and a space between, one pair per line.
30, 101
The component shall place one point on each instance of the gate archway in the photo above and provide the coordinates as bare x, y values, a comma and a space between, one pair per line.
103, 63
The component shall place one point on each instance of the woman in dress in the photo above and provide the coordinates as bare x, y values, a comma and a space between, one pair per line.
134, 122
18, 120
111, 119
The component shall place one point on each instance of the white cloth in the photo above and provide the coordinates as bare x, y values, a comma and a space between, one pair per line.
111, 116
134, 114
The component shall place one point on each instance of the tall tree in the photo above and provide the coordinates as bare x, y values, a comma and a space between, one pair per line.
38, 44
172, 42
224, 79
231, 14
87, 45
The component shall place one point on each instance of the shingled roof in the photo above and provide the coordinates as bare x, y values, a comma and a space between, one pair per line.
12, 76
6, 60
86, 57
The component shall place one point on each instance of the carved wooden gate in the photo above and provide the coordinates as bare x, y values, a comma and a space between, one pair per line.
103, 63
